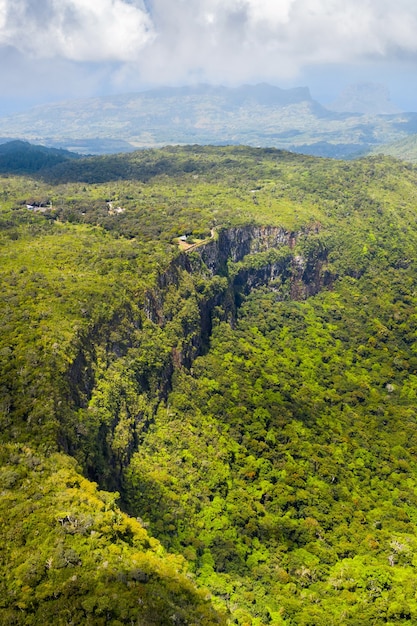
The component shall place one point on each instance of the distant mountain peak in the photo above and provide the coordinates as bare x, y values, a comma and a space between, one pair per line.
373, 98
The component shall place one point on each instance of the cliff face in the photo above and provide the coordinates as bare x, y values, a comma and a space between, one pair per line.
208, 281
235, 243
223, 252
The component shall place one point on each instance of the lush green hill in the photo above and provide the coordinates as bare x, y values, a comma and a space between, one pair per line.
227, 337
21, 157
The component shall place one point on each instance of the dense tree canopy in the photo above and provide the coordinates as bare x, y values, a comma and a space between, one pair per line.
226, 337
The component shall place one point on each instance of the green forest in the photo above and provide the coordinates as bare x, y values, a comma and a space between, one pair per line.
208, 389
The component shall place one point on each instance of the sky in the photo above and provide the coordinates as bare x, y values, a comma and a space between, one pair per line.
53, 50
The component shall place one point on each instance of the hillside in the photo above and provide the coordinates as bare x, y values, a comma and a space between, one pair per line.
405, 149
21, 157
256, 115
223, 340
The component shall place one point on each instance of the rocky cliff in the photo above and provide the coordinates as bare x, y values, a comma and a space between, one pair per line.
207, 282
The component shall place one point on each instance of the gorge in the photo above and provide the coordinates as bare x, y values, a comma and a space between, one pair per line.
247, 403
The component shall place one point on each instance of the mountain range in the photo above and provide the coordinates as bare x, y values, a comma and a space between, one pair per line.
362, 120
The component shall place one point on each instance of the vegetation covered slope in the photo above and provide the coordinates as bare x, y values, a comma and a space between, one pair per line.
70, 556
251, 397
405, 149
22, 157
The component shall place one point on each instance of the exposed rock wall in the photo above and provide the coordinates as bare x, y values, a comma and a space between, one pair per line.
216, 257
219, 274
235, 243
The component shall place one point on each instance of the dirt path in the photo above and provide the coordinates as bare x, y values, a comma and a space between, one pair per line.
187, 247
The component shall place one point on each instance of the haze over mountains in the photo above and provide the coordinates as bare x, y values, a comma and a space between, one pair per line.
362, 119
364, 98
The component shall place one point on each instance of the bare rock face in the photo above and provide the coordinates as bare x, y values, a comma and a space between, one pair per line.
235, 243
221, 256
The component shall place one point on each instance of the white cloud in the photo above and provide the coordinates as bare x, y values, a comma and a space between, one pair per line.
209, 36
235, 40
77, 30
132, 43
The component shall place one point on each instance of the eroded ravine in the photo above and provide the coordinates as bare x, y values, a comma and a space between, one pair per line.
175, 323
